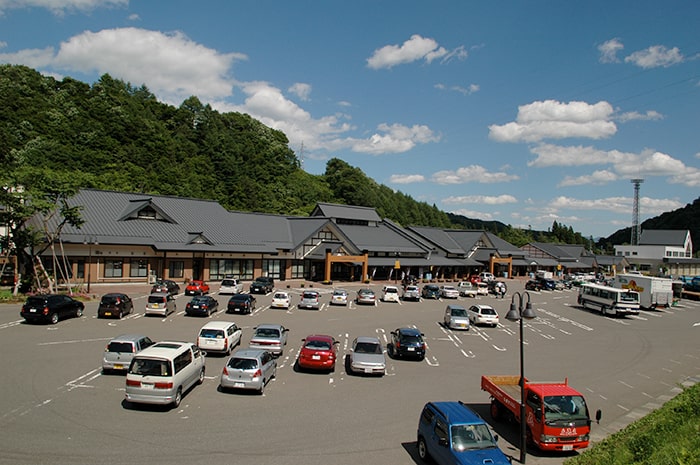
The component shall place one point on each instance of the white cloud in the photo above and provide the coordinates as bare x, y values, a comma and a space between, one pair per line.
395, 138
558, 155
608, 51
473, 173
655, 56
470, 89
406, 178
481, 199
475, 214
650, 115
689, 177
597, 178
268, 104
301, 90
551, 119
621, 205
59, 7
414, 49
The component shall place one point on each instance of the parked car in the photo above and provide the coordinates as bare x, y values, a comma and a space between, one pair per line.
262, 285
120, 350
248, 369
219, 336
474, 279
532, 285
546, 283
272, 337
456, 317
241, 303
367, 357
448, 292
407, 342
339, 297
466, 289
430, 291
167, 286
50, 308
390, 294
483, 315
197, 287
366, 296
411, 292
230, 286
482, 288
451, 433
318, 352
115, 305
281, 300
310, 299
203, 305
164, 372
485, 276
160, 304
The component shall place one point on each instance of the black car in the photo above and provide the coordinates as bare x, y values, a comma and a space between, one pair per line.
431, 291
241, 303
203, 305
50, 308
533, 285
166, 286
115, 305
262, 285
407, 343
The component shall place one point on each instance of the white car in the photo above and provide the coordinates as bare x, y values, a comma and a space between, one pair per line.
390, 294
483, 315
230, 286
482, 288
339, 297
466, 289
219, 336
281, 300
449, 292
485, 276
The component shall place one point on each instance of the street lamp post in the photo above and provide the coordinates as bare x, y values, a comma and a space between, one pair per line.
519, 314
89, 241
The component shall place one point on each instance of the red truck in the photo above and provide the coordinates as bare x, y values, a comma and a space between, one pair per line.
556, 414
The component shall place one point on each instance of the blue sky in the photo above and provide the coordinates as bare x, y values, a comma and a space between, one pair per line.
525, 112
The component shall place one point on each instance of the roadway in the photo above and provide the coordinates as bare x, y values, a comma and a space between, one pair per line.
56, 407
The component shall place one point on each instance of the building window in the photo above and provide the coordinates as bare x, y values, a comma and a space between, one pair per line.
81, 269
272, 268
113, 268
176, 269
220, 268
298, 269
139, 269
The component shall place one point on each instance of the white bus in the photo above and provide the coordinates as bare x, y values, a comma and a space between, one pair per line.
609, 300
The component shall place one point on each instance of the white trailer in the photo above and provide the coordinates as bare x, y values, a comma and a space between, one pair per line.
653, 292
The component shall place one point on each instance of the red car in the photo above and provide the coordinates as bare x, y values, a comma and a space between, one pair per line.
319, 352
197, 287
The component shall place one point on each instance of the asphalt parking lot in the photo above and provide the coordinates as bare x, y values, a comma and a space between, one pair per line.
57, 407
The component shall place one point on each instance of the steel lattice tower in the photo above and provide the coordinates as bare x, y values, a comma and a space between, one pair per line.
635, 212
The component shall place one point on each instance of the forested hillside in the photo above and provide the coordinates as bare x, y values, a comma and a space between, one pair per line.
59, 136
112, 135
687, 217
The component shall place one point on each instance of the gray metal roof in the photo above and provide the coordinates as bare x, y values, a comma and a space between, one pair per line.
379, 238
350, 212
439, 238
674, 237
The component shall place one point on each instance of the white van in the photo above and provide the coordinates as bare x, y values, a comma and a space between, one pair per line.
219, 336
162, 373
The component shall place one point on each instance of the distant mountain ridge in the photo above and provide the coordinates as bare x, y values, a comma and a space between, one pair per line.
687, 217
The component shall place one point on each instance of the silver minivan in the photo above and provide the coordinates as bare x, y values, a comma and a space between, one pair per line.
162, 373
456, 317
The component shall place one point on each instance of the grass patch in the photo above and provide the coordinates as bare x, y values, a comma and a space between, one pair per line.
668, 436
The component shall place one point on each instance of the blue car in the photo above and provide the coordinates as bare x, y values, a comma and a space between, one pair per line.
452, 433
